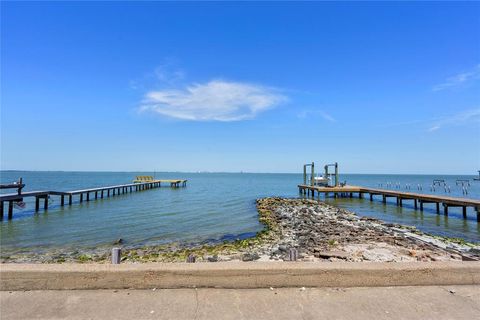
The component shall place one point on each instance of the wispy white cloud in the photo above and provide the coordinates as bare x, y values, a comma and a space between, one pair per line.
167, 74
327, 116
216, 100
305, 113
467, 116
437, 123
459, 79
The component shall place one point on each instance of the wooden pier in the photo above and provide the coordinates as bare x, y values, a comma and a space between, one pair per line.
418, 199
83, 195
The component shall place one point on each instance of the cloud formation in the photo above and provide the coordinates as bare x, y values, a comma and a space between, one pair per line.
217, 100
307, 113
467, 116
459, 79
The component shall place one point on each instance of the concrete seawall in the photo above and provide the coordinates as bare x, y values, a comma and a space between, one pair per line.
235, 275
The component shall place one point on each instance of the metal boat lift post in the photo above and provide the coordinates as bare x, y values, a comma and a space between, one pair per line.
312, 176
327, 175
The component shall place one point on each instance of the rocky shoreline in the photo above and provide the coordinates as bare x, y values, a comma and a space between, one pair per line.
296, 229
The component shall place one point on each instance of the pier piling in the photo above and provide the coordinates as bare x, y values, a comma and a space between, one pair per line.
10, 209
418, 199
116, 190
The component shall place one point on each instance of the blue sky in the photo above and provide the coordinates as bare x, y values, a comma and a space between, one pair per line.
261, 87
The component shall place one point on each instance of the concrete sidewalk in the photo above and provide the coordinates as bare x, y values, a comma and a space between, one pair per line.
428, 302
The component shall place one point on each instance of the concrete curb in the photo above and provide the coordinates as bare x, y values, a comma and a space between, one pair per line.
235, 275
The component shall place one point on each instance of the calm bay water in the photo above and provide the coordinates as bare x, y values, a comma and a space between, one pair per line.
213, 207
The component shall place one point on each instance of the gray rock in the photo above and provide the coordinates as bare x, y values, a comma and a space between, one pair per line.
475, 251
250, 257
331, 254
213, 259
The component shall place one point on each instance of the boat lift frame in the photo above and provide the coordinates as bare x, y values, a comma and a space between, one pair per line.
326, 175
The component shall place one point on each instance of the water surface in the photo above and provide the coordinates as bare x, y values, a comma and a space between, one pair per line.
213, 206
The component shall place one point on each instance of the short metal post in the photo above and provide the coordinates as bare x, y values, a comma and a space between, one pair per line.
292, 254
116, 255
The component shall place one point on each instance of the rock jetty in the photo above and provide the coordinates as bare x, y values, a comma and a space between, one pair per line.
298, 230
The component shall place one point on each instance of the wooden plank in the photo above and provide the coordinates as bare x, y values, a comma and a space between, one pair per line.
17, 197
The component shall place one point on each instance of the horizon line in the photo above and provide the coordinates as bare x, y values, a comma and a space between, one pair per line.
231, 172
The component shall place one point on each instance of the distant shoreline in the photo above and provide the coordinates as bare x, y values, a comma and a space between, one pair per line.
244, 172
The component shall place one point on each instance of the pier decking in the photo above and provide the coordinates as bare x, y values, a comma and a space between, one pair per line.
83, 195
418, 199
